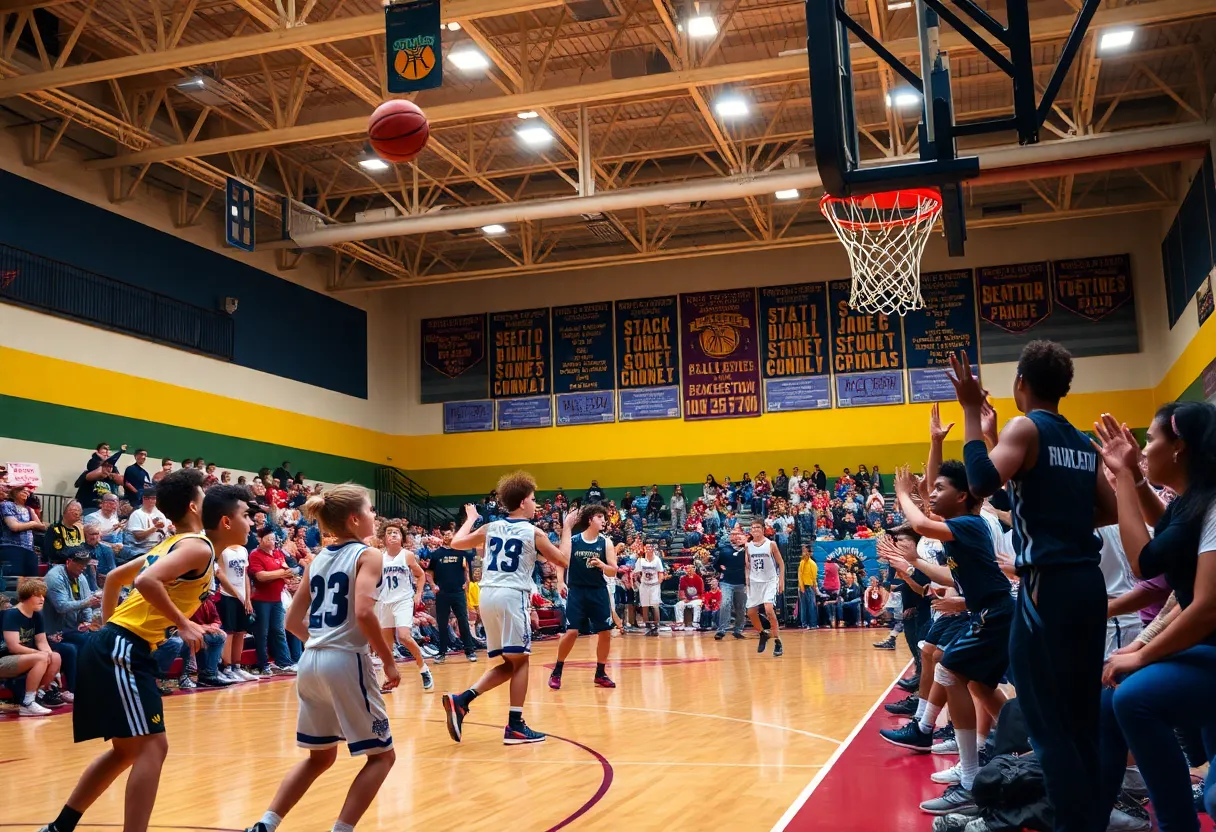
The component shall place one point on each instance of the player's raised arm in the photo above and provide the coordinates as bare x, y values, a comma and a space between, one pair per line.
465, 537
988, 471
917, 519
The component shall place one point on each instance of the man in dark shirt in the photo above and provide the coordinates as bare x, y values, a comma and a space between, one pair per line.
850, 598
819, 479
449, 570
730, 565
282, 473
135, 479
98, 478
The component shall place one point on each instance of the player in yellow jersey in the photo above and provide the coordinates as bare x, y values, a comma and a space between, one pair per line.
117, 697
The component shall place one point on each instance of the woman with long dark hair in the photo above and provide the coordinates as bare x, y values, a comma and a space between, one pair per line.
1166, 684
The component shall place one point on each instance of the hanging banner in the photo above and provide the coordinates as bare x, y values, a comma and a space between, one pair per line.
1093, 287
582, 348
944, 326
536, 412
1016, 297
453, 358
519, 354
1203, 299
468, 417
586, 408
794, 347
867, 353
721, 368
647, 359
413, 46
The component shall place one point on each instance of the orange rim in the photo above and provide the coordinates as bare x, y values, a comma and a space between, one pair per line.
926, 203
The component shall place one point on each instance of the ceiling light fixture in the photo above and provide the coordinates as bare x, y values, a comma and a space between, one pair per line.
493, 230
702, 26
468, 59
1114, 40
901, 4
527, 114
534, 136
731, 106
373, 163
788, 193
903, 99
453, 26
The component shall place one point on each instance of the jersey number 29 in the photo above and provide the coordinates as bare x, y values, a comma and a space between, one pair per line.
510, 549
339, 589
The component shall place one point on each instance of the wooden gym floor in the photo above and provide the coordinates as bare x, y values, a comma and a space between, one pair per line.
698, 734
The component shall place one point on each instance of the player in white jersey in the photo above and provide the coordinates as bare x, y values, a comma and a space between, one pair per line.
336, 684
765, 571
399, 577
511, 549
650, 577
235, 610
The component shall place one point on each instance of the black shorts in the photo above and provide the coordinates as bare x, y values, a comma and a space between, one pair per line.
622, 596
116, 693
588, 609
233, 617
946, 629
981, 653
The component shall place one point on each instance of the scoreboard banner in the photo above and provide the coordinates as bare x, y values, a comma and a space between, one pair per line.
721, 372
944, 326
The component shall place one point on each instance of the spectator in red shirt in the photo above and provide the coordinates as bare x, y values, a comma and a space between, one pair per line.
276, 496
269, 573
692, 590
711, 607
214, 639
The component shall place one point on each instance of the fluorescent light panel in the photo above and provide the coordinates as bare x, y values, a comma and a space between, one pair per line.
493, 230
702, 26
1113, 40
730, 107
788, 193
527, 114
468, 59
903, 99
373, 163
534, 135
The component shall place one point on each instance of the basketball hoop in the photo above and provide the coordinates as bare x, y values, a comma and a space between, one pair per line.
885, 236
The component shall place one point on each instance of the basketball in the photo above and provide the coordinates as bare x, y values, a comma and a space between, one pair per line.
398, 130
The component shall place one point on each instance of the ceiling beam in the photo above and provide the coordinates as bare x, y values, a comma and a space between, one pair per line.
276, 40
1051, 28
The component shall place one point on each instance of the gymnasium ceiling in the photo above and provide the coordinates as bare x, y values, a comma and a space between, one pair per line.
298, 78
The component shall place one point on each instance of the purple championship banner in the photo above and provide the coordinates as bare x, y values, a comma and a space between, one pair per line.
944, 326
1016, 297
794, 347
1093, 287
719, 355
867, 353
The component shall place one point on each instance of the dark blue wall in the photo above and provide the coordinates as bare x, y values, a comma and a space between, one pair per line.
277, 324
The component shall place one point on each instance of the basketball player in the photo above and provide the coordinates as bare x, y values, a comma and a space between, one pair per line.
1057, 637
336, 683
766, 570
588, 605
235, 609
395, 609
117, 698
650, 589
511, 547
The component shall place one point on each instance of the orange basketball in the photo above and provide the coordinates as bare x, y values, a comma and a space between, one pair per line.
398, 130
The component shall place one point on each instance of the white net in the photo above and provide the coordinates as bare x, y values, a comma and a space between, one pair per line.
885, 236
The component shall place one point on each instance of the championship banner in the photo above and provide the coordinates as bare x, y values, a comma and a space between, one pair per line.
413, 46
519, 354
867, 353
453, 358
847, 553
944, 326
536, 412
468, 417
1093, 287
1014, 298
794, 347
647, 359
721, 370
582, 348
586, 408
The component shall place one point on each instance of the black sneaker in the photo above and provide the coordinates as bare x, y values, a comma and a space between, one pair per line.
889, 644
911, 684
455, 714
719, 636
778, 650
257, 827
520, 734
904, 707
910, 736
764, 637
212, 682
946, 732
50, 698
739, 636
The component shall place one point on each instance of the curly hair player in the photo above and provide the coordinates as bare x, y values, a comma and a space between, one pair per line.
588, 605
1058, 634
512, 546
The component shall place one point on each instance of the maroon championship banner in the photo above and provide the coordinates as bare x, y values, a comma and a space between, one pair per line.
720, 355
1016, 297
1093, 287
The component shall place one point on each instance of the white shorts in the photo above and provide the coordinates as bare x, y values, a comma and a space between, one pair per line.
650, 595
396, 613
1121, 632
761, 592
340, 700
504, 615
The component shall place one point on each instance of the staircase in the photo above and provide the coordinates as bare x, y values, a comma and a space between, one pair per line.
399, 496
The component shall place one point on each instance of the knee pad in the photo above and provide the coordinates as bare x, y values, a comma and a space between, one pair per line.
944, 677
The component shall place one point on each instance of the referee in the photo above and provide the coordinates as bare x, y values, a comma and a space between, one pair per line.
450, 573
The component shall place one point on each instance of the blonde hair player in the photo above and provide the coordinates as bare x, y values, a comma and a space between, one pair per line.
511, 548
765, 571
336, 683
399, 579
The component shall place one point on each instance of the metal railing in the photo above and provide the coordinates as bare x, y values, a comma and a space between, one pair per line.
397, 495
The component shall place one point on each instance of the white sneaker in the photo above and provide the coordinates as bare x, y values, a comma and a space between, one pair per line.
290, 670
949, 746
242, 674
186, 683
229, 675
33, 709
954, 774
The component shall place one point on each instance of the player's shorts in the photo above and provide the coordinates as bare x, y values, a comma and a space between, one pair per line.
233, 618
946, 628
760, 593
394, 614
1121, 631
981, 652
588, 609
504, 615
340, 701
622, 595
650, 595
116, 688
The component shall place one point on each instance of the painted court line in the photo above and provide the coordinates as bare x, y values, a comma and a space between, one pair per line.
797, 805
695, 714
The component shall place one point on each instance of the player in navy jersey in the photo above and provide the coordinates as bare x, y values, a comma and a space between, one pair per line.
588, 608
1058, 634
